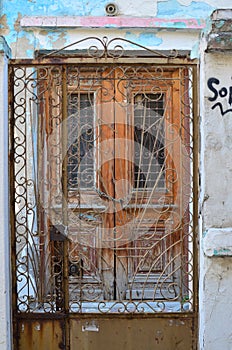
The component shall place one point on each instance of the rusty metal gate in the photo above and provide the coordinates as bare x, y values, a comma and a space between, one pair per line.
103, 161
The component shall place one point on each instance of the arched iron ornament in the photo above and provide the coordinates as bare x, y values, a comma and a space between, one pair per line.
111, 48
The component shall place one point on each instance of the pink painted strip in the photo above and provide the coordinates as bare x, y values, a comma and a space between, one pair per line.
140, 22
108, 22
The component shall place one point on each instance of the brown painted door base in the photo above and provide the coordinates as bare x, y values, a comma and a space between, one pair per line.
93, 333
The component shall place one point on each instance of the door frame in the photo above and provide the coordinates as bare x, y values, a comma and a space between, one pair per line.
27, 326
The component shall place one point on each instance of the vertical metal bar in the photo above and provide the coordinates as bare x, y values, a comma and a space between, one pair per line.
65, 197
195, 200
40, 173
181, 82
12, 202
79, 172
27, 233
195, 172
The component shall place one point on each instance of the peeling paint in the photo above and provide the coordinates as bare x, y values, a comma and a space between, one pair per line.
222, 251
213, 3
218, 242
17, 26
61, 39
43, 32
4, 26
219, 24
195, 51
204, 233
4, 48
175, 9
161, 15
23, 47
55, 39
145, 39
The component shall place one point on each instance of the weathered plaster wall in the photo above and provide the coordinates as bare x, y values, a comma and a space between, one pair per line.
216, 200
218, 141
24, 41
5, 297
217, 313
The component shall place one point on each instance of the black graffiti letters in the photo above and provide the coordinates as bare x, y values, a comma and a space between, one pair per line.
219, 92
211, 83
223, 92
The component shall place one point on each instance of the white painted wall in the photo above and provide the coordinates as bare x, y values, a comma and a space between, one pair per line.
216, 204
5, 274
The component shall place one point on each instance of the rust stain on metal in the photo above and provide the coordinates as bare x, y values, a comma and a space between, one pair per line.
41, 335
124, 334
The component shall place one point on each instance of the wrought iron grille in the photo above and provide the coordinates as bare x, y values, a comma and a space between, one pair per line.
102, 185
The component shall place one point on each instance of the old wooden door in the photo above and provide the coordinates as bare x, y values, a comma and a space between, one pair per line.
103, 213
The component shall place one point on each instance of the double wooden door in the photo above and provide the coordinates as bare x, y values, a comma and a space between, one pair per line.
118, 181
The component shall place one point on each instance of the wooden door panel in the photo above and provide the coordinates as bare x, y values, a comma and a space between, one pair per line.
125, 176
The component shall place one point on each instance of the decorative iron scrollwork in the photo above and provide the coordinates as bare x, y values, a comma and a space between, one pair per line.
102, 182
112, 48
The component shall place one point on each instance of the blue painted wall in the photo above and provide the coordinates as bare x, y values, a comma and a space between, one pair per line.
174, 9
13, 10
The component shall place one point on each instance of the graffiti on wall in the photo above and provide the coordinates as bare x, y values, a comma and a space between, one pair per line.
220, 93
